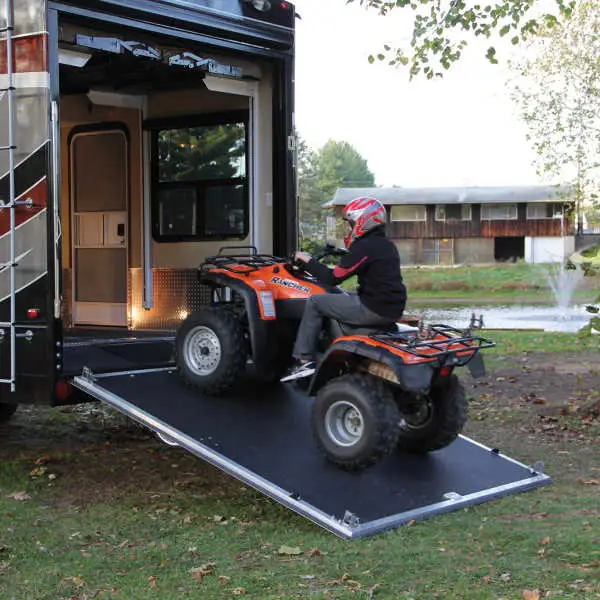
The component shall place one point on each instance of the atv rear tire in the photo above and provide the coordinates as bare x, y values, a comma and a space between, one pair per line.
437, 421
6, 411
210, 350
355, 421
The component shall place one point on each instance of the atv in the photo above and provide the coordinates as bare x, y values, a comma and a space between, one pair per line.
377, 388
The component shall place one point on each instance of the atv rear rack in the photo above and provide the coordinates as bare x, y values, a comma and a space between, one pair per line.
455, 342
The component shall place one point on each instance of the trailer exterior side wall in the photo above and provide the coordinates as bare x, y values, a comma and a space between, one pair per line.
28, 358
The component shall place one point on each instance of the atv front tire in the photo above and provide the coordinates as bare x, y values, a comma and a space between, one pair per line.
210, 350
355, 421
435, 421
6, 411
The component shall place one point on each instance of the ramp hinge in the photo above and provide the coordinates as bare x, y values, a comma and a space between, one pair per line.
537, 468
454, 496
88, 375
351, 519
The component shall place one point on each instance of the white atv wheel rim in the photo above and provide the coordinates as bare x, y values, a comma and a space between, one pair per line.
202, 351
344, 423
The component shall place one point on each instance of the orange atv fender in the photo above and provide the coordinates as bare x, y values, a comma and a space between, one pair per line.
411, 375
262, 324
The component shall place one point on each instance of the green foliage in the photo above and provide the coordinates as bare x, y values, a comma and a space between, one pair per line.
441, 29
195, 153
320, 173
340, 165
559, 97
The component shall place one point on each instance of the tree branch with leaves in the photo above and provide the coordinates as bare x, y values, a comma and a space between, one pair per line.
442, 28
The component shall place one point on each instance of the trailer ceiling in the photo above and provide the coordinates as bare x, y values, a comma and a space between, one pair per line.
124, 73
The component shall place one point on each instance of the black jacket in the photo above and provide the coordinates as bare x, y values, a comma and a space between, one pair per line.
376, 262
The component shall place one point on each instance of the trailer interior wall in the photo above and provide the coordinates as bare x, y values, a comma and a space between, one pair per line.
175, 288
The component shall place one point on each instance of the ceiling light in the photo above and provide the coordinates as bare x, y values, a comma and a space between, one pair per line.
73, 58
261, 5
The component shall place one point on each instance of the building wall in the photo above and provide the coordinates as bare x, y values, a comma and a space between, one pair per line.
548, 249
430, 228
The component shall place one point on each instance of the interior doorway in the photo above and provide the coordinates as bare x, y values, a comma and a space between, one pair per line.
99, 200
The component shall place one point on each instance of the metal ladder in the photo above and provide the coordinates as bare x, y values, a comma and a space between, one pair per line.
12, 202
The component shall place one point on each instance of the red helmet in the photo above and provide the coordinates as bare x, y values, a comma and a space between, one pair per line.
363, 214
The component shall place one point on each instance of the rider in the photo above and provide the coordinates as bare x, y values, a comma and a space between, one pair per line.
381, 294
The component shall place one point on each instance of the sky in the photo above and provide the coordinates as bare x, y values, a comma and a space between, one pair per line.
463, 130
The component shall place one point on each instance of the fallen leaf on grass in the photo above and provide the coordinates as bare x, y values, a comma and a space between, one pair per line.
289, 550
38, 472
20, 496
239, 591
223, 579
349, 584
487, 579
153, 581
547, 540
199, 573
315, 552
339, 581
531, 595
589, 481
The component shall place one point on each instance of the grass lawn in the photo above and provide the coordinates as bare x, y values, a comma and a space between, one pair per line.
92, 507
504, 282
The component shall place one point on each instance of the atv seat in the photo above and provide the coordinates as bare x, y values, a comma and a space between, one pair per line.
365, 330
339, 329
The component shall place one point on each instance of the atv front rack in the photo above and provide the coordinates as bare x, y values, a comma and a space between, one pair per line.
443, 342
238, 262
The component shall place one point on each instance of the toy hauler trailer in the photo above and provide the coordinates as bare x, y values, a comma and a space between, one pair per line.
136, 137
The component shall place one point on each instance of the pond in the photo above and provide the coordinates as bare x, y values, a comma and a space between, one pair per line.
544, 318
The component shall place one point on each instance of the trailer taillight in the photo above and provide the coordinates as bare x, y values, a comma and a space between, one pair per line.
62, 390
33, 313
445, 371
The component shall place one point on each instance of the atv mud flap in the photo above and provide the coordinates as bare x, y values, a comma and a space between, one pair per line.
261, 435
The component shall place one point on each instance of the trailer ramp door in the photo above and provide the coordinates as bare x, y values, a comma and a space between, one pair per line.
261, 435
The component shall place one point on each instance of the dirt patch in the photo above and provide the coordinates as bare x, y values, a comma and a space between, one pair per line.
550, 383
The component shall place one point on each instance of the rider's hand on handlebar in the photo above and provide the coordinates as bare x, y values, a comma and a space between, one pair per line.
303, 257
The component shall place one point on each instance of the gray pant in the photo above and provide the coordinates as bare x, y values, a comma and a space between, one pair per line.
346, 308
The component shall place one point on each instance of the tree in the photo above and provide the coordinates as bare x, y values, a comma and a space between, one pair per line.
211, 152
558, 91
336, 164
441, 28
340, 165
310, 196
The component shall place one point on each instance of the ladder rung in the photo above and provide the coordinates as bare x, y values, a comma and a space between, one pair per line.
11, 381
8, 147
5, 29
28, 202
5, 324
8, 89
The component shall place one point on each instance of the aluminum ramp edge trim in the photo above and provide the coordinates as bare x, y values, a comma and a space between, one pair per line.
215, 458
392, 521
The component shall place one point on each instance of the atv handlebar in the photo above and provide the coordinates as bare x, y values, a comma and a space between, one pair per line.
330, 250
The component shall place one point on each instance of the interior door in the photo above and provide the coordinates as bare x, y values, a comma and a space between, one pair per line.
99, 188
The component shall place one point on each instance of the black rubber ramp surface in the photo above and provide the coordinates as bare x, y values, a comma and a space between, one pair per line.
266, 429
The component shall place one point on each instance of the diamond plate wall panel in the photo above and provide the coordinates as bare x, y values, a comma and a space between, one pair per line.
176, 293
